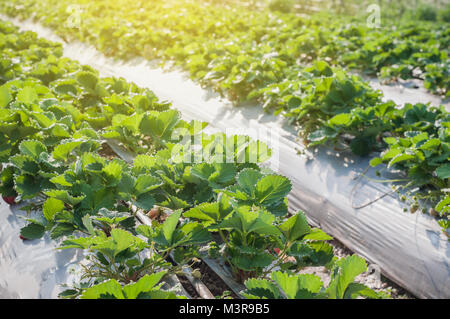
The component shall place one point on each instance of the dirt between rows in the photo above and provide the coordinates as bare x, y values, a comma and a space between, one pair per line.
372, 278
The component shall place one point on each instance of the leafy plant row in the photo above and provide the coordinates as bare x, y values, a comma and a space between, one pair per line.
55, 117
279, 60
241, 51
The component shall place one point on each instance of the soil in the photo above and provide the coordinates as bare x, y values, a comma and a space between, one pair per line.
188, 287
107, 151
214, 283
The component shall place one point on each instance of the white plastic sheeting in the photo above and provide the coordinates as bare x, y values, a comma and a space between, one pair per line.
32, 268
410, 249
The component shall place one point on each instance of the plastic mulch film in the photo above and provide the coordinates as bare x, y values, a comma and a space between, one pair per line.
364, 215
32, 269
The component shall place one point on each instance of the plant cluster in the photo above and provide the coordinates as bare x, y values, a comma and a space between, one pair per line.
288, 64
56, 118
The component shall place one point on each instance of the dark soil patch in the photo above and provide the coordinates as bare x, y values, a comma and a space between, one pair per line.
107, 151
188, 287
214, 283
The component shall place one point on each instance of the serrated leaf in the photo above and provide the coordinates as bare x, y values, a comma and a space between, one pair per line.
51, 207
376, 161
146, 183
342, 119
317, 234
113, 172
32, 148
443, 171
261, 288
401, 158
32, 231
62, 229
27, 95
344, 274
303, 286
145, 284
5, 96
191, 234
62, 151
87, 79
247, 180
295, 227
64, 196
25, 163
145, 202
259, 261
272, 188
110, 289
28, 186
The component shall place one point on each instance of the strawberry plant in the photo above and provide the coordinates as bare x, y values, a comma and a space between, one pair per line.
121, 256
308, 286
425, 159
250, 235
148, 287
54, 116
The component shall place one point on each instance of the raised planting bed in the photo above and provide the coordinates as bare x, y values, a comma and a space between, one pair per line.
327, 185
56, 116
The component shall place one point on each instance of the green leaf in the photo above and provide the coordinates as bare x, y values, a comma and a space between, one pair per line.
27, 95
113, 172
295, 227
443, 171
144, 162
62, 229
271, 189
317, 234
5, 96
51, 207
344, 274
146, 183
64, 196
60, 180
144, 201
25, 163
390, 140
32, 231
431, 144
342, 119
110, 289
304, 286
259, 261
211, 213
401, 158
87, 79
376, 161
32, 148
160, 126
191, 234
28, 186
118, 242
355, 290
247, 180
62, 151
361, 146
169, 226
87, 223
145, 230
261, 288
443, 205
145, 284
